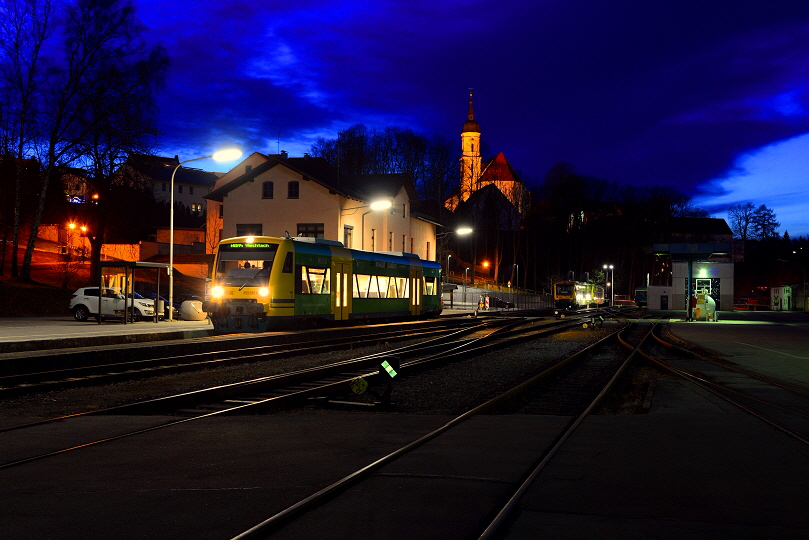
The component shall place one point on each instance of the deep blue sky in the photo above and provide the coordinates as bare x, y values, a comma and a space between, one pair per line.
711, 97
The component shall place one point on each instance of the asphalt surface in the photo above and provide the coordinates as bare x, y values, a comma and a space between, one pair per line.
693, 467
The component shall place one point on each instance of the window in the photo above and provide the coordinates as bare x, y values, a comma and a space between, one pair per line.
348, 236
404, 239
315, 280
190, 190
180, 188
293, 190
248, 229
427, 257
390, 241
164, 186
430, 286
373, 239
267, 190
221, 210
311, 230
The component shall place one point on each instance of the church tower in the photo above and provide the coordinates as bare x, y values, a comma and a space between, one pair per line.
470, 156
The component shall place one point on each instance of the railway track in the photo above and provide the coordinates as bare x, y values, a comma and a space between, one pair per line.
783, 404
56, 370
379, 480
257, 396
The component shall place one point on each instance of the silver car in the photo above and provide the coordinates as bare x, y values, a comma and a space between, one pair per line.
85, 303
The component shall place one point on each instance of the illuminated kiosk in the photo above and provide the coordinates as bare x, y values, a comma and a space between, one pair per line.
705, 267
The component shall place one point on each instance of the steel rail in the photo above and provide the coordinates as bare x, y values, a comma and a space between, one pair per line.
274, 522
503, 514
714, 387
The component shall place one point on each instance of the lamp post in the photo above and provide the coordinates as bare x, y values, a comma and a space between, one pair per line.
222, 155
611, 284
374, 206
381, 204
460, 231
465, 274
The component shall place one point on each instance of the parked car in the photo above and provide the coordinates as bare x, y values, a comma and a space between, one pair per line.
84, 303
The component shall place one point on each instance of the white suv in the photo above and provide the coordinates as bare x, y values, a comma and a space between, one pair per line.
84, 303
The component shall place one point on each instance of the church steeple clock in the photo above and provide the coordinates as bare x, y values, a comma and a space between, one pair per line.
470, 155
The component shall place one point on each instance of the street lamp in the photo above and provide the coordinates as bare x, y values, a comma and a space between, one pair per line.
460, 231
223, 155
465, 274
375, 206
611, 283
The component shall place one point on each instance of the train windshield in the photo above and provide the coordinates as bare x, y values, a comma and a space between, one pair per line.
245, 265
564, 289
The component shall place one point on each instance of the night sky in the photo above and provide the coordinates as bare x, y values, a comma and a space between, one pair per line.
711, 97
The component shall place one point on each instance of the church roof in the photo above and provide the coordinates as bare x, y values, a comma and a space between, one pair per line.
498, 169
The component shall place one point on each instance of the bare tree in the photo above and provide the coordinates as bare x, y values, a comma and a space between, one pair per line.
741, 220
25, 26
96, 88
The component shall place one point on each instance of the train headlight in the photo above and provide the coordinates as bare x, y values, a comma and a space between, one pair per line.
250, 240
217, 292
264, 292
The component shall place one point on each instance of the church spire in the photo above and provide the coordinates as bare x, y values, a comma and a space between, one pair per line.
470, 126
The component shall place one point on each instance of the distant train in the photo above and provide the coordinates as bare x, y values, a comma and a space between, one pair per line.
575, 295
261, 283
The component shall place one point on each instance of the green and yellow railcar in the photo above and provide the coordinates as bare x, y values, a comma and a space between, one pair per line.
577, 295
262, 283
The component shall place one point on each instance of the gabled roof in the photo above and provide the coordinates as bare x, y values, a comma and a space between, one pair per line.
316, 169
159, 169
498, 169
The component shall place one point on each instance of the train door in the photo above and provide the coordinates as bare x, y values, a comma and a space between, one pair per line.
342, 290
416, 290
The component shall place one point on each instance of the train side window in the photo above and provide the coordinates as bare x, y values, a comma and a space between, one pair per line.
373, 288
319, 280
429, 284
392, 292
404, 287
304, 277
383, 286
287, 269
362, 282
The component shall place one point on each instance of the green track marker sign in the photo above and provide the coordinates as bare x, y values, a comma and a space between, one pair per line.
389, 368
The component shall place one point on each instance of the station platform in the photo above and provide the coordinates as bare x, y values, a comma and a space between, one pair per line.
692, 467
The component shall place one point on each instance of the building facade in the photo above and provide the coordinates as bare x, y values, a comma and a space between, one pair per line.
275, 195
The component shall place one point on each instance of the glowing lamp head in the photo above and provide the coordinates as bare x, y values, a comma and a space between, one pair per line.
71, 226
381, 205
250, 240
227, 155
217, 291
464, 230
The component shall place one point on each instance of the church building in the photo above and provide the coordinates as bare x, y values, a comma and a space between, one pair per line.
476, 175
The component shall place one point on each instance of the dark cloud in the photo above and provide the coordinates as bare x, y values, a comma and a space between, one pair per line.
631, 91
